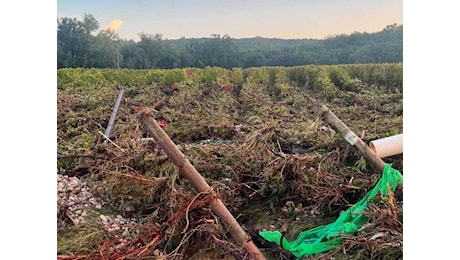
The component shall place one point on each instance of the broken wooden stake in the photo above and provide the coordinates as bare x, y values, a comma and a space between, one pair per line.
346, 133
114, 114
198, 182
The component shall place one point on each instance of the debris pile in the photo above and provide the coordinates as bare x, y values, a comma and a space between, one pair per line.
271, 160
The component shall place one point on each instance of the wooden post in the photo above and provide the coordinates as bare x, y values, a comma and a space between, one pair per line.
114, 114
198, 182
346, 133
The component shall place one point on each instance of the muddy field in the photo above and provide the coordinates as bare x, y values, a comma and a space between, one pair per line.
260, 145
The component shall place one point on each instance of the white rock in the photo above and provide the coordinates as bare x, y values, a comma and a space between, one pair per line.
60, 187
104, 218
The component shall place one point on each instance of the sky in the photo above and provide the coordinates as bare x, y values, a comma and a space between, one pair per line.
289, 19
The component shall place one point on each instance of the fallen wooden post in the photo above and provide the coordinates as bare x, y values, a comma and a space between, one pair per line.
346, 133
198, 182
114, 114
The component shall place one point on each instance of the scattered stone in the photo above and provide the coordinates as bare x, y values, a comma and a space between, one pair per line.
60, 187
76, 200
103, 218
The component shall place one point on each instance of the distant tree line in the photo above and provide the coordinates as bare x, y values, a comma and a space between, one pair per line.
81, 43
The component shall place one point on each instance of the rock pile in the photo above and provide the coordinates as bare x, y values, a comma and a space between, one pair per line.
75, 201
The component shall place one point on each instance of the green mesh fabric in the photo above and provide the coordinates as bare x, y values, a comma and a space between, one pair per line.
327, 237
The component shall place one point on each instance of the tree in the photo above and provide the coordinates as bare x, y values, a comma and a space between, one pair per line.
80, 46
73, 43
104, 50
89, 23
214, 51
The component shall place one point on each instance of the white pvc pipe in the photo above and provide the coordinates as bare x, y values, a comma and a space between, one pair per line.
387, 146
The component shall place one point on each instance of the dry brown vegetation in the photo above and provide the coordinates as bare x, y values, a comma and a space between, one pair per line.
257, 142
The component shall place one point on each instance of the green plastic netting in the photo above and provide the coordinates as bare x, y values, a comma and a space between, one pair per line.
327, 237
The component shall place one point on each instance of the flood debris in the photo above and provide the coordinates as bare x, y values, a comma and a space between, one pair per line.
271, 160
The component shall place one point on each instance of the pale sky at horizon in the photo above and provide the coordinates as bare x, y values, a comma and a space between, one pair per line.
292, 19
